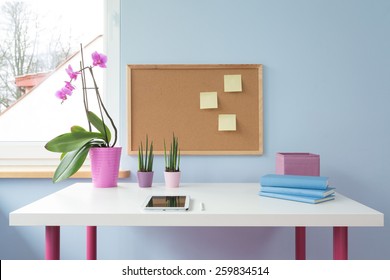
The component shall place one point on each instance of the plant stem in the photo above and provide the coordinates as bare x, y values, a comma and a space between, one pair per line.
103, 108
84, 86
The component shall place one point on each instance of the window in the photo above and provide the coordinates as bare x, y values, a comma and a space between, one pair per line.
38, 118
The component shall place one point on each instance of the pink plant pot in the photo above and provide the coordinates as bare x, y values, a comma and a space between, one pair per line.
105, 166
172, 179
145, 179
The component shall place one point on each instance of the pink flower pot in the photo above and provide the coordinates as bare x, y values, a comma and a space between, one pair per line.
145, 179
172, 179
105, 166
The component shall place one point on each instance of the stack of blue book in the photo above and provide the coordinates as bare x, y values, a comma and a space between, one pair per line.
309, 189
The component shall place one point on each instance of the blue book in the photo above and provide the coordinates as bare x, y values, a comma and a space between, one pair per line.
299, 191
295, 181
305, 199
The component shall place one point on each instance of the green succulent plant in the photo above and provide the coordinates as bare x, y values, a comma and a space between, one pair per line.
172, 159
145, 160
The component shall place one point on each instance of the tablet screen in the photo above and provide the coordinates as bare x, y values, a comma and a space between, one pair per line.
165, 202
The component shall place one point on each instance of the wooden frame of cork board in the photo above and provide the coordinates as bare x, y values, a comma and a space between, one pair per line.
213, 109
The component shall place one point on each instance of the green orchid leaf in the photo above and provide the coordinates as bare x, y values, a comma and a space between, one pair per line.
99, 125
71, 141
77, 128
62, 156
71, 163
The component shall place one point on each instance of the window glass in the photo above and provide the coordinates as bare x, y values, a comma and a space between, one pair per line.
46, 36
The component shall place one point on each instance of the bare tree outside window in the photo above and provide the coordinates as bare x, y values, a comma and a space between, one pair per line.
19, 49
29, 45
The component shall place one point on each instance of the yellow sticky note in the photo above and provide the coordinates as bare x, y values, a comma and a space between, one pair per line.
232, 83
208, 100
227, 122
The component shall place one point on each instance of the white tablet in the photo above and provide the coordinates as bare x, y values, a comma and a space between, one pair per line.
167, 202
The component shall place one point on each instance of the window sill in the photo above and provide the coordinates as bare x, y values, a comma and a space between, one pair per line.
18, 172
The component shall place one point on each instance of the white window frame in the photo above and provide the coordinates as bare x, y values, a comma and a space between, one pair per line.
33, 153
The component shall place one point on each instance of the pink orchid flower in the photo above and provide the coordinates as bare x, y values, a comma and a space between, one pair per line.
63, 93
69, 86
71, 73
99, 59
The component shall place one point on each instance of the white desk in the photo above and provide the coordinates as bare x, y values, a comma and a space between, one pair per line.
225, 204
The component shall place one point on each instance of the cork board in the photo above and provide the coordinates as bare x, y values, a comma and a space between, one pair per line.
212, 109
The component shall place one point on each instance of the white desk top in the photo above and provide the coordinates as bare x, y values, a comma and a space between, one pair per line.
226, 204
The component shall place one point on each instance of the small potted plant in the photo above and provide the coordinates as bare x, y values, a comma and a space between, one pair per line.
172, 164
145, 165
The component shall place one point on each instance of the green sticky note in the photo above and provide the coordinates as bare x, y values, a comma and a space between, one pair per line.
232, 83
227, 122
208, 100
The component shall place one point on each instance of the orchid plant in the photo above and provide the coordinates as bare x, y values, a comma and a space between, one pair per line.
75, 145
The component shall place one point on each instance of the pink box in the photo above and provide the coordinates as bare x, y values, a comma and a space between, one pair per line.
298, 164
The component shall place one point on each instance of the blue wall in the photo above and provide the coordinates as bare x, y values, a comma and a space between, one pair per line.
326, 91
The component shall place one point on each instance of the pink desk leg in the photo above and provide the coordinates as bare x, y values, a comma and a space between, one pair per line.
52, 243
300, 243
91, 243
340, 243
